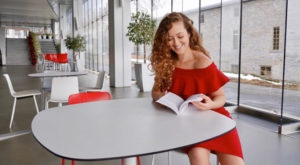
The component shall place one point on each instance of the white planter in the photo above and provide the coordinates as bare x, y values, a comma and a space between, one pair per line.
80, 64
144, 77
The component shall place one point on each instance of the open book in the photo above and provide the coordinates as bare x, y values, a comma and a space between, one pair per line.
176, 103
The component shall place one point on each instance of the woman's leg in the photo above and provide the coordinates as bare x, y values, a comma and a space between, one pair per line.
199, 156
227, 159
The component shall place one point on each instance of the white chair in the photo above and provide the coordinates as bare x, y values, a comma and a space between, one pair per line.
61, 89
91, 82
19, 95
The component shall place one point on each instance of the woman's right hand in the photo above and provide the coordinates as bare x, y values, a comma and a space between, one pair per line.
158, 94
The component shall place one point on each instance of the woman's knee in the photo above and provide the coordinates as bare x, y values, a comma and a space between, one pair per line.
199, 155
227, 159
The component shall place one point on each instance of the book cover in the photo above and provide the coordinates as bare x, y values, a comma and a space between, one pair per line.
176, 103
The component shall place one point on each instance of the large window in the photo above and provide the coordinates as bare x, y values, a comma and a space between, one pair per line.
228, 60
235, 39
261, 67
16, 33
160, 8
192, 10
178, 5
292, 65
276, 38
254, 50
95, 24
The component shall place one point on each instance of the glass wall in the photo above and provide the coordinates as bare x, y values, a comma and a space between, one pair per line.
95, 28
66, 22
258, 55
192, 11
228, 60
292, 61
262, 54
105, 45
90, 35
177, 5
254, 49
160, 8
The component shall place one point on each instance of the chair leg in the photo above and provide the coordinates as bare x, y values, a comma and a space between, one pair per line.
68, 67
13, 112
138, 159
35, 103
63, 161
153, 158
46, 104
169, 158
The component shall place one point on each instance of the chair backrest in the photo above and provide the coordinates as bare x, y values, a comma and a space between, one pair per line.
10, 86
63, 87
47, 57
92, 80
53, 57
100, 79
62, 58
88, 97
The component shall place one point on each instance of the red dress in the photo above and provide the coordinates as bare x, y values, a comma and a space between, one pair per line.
187, 82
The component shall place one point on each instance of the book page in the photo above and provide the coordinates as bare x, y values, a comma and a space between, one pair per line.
172, 101
185, 104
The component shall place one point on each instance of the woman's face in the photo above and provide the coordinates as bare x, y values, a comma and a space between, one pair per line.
178, 38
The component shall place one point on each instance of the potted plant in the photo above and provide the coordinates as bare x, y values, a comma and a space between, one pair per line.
141, 31
76, 44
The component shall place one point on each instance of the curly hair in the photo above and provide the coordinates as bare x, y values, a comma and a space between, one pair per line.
163, 59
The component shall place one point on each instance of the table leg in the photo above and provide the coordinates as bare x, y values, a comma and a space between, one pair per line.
43, 100
43, 94
43, 89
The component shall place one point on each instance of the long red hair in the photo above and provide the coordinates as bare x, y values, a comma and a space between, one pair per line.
163, 59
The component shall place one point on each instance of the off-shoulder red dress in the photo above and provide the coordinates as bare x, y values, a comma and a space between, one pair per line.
187, 82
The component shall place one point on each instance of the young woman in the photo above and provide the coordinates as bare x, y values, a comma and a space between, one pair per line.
183, 66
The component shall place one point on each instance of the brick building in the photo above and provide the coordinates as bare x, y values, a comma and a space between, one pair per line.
263, 31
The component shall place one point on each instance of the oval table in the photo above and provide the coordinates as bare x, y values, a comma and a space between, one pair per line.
123, 128
56, 74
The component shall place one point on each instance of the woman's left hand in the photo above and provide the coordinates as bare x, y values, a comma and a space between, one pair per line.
205, 104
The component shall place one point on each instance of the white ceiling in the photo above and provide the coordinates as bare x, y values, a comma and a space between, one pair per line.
25, 12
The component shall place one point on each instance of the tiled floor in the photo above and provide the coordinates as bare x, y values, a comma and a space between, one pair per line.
261, 144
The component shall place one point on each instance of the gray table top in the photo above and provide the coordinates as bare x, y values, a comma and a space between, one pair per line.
56, 74
123, 128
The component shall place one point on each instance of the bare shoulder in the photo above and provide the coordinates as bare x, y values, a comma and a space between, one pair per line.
201, 60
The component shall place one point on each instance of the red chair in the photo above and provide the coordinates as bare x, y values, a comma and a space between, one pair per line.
51, 60
62, 60
90, 97
86, 97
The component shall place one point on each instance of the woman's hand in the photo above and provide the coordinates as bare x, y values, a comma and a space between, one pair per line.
205, 104
217, 101
158, 94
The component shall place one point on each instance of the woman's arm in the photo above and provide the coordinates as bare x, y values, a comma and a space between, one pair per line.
156, 94
218, 100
